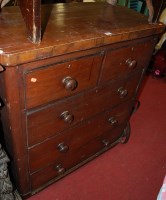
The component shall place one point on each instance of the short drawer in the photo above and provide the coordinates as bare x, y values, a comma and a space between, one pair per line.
50, 121
119, 62
54, 82
60, 146
73, 159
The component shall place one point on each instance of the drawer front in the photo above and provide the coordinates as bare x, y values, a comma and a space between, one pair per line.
60, 80
121, 61
72, 159
74, 138
47, 122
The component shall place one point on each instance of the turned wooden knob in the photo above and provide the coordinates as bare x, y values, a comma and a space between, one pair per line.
69, 83
62, 147
113, 121
106, 143
60, 169
122, 92
131, 63
67, 117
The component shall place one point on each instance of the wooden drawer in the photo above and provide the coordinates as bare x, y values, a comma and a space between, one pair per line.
47, 122
74, 138
74, 159
57, 81
121, 61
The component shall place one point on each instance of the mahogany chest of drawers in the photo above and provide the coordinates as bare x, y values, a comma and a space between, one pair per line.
70, 98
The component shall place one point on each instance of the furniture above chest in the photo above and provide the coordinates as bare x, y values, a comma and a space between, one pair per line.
70, 98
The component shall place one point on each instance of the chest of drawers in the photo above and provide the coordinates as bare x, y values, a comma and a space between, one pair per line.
70, 98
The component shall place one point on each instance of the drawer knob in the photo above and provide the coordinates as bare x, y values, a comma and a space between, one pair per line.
62, 147
67, 117
113, 121
106, 143
60, 169
131, 63
69, 83
122, 92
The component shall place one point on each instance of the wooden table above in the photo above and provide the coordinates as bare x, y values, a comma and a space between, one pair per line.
68, 28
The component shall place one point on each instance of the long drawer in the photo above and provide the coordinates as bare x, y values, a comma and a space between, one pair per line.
56, 81
60, 146
50, 121
74, 158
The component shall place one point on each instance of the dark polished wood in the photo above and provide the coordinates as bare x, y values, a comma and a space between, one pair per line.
71, 27
47, 121
47, 83
69, 98
31, 12
73, 159
48, 152
126, 59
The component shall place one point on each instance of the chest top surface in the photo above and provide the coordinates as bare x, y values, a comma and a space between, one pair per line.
68, 28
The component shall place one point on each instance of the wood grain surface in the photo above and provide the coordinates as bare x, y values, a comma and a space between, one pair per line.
68, 28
